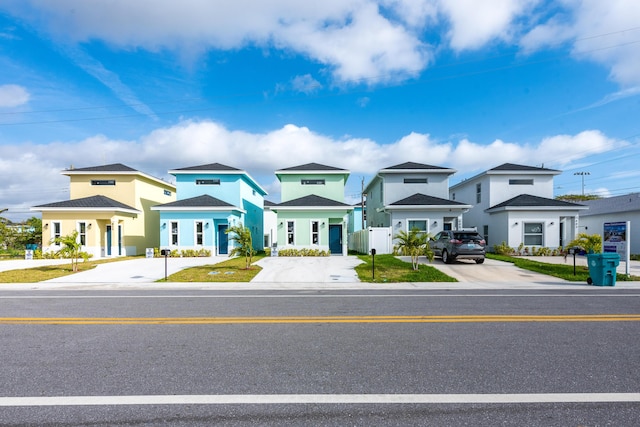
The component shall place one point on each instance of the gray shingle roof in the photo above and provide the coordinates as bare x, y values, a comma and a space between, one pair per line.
115, 167
197, 202
511, 167
424, 200
210, 167
412, 165
91, 202
313, 167
626, 203
527, 200
313, 200
270, 203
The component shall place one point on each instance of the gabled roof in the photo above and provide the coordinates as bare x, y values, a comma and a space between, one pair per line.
269, 203
423, 202
312, 202
509, 169
416, 167
219, 169
200, 203
610, 205
312, 167
211, 167
512, 167
91, 203
529, 202
115, 169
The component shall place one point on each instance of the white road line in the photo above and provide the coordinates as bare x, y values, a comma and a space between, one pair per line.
317, 296
284, 399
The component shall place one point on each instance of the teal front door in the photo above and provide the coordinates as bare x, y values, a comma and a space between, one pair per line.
223, 240
335, 239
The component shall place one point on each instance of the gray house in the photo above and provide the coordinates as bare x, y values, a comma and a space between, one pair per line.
613, 209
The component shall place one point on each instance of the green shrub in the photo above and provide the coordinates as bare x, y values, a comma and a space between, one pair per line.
503, 249
302, 252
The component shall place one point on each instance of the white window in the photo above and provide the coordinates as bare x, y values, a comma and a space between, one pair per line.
56, 230
478, 192
174, 233
420, 224
312, 181
199, 228
82, 233
290, 232
533, 234
315, 232
415, 181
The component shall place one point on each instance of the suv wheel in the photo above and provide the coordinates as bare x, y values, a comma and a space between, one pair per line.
480, 261
445, 257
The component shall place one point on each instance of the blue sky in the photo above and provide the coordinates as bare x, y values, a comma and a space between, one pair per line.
359, 84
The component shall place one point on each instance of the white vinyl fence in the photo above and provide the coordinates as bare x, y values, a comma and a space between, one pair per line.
378, 238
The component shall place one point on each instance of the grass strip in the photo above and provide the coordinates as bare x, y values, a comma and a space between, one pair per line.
232, 270
562, 271
388, 268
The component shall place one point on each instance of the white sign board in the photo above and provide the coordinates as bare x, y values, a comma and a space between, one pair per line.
616, 238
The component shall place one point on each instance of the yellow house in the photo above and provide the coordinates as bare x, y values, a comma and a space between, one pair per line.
109, 207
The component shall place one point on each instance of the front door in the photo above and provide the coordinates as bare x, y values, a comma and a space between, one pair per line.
108, 240
119, 239
335, 239
223, 240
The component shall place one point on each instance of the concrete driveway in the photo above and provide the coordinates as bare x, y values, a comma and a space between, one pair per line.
308, 269
491, 271
135, 270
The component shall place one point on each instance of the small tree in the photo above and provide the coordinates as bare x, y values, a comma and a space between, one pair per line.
70, 248
591, 243
241, 235
413, 243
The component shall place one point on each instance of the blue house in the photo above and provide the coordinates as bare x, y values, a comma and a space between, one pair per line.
210, 199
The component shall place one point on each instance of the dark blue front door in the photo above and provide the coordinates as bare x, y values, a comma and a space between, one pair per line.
335, 239
223, 240
109, 240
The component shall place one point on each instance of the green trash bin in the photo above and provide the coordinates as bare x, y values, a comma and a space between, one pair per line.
602, 268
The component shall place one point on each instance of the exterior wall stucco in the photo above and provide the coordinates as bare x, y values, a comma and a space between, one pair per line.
292, 188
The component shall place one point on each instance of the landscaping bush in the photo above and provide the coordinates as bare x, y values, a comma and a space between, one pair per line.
302, 252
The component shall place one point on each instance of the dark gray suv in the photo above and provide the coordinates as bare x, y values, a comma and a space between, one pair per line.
450, 245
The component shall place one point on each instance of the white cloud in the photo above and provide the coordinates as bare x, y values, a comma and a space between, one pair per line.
606, 32
13, 96
351, 37
261, 154
305, 84
475, 23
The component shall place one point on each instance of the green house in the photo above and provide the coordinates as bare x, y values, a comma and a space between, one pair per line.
312, 213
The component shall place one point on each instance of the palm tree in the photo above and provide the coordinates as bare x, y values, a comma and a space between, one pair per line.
413, 243
241, 235
70, 248
591, 243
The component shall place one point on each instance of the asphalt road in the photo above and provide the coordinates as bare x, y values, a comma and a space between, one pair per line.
313, 357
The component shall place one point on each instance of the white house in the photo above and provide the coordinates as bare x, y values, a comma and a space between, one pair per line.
514, 204
413, 195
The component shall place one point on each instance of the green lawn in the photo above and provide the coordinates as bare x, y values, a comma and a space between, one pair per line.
232, 270
388, 268
562, 271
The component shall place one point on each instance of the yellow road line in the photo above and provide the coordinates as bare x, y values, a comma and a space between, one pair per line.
314, 319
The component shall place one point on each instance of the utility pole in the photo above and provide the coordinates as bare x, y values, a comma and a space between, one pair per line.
582, 174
